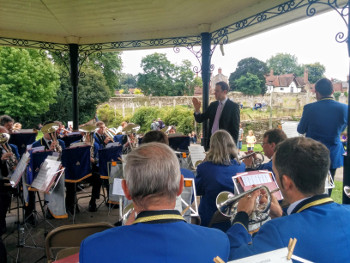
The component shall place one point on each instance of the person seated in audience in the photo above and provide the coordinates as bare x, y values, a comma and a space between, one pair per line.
214, 175
152, 181
320, 225
270, 140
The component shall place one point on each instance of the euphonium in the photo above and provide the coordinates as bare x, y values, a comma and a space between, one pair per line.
109, 133
227, 203
12, 161
51, 129
257, 161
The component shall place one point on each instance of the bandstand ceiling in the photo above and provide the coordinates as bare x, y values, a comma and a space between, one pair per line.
101, 21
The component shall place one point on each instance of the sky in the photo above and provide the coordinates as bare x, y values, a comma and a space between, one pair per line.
310, 40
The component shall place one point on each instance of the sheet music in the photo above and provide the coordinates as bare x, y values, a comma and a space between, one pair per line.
21, 166
197, 153
38, 149
47, 172
77, 144
117, 187
256, 179
73, 133
112, 144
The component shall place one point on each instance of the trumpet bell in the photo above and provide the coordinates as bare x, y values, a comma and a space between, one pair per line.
224, 207
347, 190
4, 138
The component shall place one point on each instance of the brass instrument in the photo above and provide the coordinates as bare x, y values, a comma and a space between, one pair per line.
51, 129
89, 130
109, 132
127, 211
227, 203
257, 161
129, 130
347, 190
11, 161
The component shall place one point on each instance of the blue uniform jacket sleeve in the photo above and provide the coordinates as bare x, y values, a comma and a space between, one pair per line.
15, 150
302, 126
266, 239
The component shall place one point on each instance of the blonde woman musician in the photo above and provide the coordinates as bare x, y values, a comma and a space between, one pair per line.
214, 175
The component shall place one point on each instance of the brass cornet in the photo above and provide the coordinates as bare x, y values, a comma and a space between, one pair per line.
12, 161
258, 159
227, 203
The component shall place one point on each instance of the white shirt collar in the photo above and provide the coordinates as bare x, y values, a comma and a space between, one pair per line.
223, 101
293, 205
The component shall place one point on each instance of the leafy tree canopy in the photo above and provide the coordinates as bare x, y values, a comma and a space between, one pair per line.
127, 81
284, 63
249, 65
249, 84
162, 78
316, 71
28, 83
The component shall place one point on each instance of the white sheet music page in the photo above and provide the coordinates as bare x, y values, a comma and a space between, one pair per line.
48, 171
197, 153
274, 256
261, 178
21, 166
117, 187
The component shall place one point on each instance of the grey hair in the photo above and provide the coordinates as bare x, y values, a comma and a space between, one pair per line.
152, 170
222, 148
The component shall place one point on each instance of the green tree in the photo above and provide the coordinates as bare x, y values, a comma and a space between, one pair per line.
337, 95
92, 90
316, 71
110, 65
249, 65
284, 63
127, 81
29, 82
109, 116
162, 78
249, 84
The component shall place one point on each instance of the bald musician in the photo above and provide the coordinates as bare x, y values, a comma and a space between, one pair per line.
158, 233
320, 226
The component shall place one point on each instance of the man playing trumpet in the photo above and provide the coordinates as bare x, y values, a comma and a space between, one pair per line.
320, 226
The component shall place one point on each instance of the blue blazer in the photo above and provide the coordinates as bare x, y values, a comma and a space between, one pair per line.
212, 179
15, 150
170, 241
322, 232
324, 121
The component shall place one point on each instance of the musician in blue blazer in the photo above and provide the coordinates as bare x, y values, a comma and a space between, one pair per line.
271, 138
324, 121
155, 232
222, 114
214, 175
320, 226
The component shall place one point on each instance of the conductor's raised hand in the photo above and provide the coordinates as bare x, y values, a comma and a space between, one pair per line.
196, 104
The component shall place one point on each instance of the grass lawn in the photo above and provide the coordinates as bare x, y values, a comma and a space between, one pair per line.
337, 193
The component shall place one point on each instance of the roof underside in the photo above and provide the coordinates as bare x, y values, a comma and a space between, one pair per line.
90, 21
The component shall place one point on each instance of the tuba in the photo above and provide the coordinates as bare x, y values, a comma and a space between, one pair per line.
12, 161
51, 129
257, 161
227, 203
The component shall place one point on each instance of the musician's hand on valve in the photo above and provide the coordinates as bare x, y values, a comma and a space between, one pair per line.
6, 156
248, 161
107, 140
247, 203
53, 145
196, 104
275, 208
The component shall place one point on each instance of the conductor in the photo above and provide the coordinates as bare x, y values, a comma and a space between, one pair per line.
222, 113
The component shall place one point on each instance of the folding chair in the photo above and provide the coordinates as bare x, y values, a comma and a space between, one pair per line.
65, 240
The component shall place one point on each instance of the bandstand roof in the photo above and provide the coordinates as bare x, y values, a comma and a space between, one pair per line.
90, 22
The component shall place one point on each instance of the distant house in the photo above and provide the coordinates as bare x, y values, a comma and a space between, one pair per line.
287, 83
217, 78
338, 86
